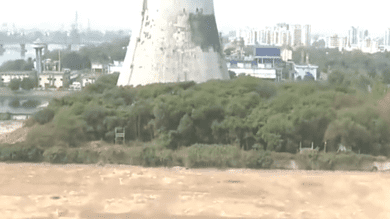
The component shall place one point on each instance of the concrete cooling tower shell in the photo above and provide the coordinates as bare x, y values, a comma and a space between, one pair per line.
176, 40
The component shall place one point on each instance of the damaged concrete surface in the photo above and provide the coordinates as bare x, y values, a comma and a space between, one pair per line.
119, 191
177, 41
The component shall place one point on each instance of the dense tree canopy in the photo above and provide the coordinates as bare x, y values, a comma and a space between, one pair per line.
245, 111
17, 65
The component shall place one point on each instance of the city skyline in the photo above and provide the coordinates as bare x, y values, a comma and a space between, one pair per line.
324, 19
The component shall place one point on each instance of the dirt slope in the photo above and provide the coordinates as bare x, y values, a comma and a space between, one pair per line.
12, 132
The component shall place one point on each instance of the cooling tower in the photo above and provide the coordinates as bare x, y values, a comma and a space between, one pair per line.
176, 40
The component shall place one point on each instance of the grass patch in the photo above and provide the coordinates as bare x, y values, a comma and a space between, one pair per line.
195, 156
21, 152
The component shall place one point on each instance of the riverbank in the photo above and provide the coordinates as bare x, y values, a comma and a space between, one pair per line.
16, 148
10, 126
120, 191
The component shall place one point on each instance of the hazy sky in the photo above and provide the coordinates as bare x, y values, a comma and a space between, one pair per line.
329, 16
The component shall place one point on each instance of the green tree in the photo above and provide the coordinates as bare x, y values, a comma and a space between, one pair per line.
275, 131
349, 133
75, 61
17, 65
69, 128
386, 76
44, 116
27, 84
14, 84
94, 117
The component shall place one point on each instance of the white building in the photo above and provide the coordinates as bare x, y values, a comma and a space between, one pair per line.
88, 79
305, 70
332, 41
262, 65
255, 70
296, 35
386, 40
53, 79
306, 36
353, 37
6, 77
286, 55
116, 67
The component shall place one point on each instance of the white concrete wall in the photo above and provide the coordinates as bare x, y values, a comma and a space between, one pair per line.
44, 79
164, 50
259, 73
87, 81
8, 77
301, 71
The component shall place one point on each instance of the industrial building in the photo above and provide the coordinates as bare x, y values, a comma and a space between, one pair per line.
53, 79
263, 63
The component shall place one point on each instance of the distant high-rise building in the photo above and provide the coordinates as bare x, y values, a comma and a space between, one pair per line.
343, 42
332, 41
284, 38
366, 33
296, 35
262, 37
386, 40
276, 36
283, 26
268, 35
306, 36
353, 36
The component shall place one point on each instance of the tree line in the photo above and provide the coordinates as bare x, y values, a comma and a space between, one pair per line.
245, 111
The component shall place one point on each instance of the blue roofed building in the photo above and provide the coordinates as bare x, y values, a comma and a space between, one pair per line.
265, 62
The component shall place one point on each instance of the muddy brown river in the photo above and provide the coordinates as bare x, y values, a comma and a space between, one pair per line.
117, 191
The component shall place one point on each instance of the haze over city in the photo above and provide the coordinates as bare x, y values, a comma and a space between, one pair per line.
330, 17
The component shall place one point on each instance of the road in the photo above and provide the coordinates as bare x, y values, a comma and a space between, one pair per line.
118, 191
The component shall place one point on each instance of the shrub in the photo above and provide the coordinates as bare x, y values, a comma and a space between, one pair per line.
42, 136
258, 159
14, 84
214, 156
31, 104
114, 155
21, 152
29, 122
5, 116
87, 156
152, 156
78, 108
94, 118
55, 155
27, 84
69, 128
44, 116
14, 103
266, 89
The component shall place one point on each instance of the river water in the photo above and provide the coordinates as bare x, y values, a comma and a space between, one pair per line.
13, 51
